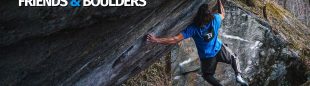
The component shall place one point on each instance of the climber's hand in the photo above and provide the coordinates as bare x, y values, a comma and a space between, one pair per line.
152, 38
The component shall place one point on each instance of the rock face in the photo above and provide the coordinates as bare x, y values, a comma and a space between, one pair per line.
85, 46
104, 46
300, 9
265, 56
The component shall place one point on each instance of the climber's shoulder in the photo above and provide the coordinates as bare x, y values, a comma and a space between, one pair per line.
218, 16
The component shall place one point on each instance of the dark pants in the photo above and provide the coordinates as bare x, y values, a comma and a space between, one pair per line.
208, 66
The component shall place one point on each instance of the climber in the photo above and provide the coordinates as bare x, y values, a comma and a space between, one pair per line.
204, 31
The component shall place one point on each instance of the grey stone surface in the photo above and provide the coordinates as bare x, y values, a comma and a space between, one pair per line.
84, 46
264, 57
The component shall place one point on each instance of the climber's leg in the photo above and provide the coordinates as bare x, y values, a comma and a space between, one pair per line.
212, 80
208, 67
227, 56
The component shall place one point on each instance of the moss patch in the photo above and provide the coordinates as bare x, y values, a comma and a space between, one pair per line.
274, 11
158, 74
257, 9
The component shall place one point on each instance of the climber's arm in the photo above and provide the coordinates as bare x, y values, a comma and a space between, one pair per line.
166, 40
221, 9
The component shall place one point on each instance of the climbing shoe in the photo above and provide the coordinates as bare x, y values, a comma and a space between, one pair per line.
240, 80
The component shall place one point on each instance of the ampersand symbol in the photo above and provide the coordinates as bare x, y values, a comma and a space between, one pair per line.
75, 3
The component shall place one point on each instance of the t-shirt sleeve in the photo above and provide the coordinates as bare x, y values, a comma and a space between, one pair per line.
189, 31
217, 21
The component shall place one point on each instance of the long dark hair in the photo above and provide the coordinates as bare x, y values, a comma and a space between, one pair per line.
203, 16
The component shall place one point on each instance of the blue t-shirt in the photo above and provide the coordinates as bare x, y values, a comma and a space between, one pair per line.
205, 49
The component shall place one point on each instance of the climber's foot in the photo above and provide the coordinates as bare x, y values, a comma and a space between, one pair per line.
241, 80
